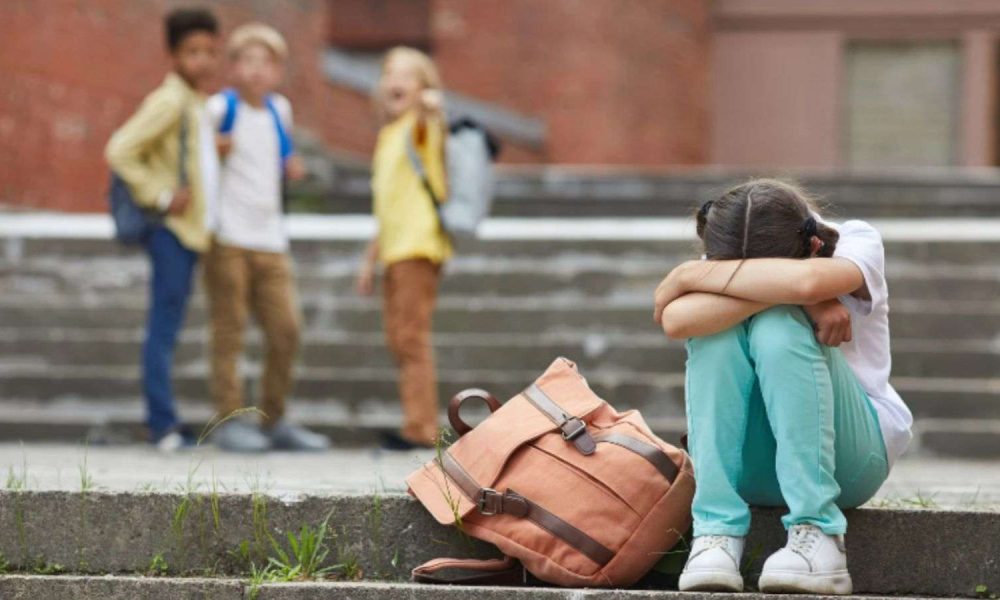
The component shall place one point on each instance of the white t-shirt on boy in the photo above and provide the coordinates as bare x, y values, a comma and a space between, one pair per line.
868, 351
249, 213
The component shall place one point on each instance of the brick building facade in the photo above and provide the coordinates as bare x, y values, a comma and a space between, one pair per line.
733, 83
593, 72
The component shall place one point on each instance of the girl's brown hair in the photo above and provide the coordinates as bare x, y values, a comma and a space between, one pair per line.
763, 218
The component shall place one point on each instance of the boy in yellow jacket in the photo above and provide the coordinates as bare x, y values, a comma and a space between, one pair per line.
145, 153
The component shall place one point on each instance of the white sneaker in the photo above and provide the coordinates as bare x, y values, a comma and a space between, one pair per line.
713, 565
811, 562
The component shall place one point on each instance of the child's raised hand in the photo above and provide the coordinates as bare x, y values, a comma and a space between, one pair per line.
832, 322
295, 168
223, 144
431, 101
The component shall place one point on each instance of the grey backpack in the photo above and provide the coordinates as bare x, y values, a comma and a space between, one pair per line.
469, 154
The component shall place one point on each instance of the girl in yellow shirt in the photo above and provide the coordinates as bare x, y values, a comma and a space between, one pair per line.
410, 243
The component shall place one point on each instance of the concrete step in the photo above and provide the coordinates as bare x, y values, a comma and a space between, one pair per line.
657, 394
916, 319
476, 276
325, 240
947, 424
898, 552
123, 587
594, 352
585, 192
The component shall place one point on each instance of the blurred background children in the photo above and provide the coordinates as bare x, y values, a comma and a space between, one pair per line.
146, 153
248, 268
410, 243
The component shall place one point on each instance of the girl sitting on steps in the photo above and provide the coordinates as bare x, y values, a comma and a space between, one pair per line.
788, 395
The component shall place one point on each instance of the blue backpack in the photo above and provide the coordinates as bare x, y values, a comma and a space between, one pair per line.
133, 222
285, 145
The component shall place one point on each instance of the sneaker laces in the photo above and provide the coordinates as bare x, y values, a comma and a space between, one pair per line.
715, 541
803, 539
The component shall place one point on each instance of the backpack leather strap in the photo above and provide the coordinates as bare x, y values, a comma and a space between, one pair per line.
573, 428
496, 571
491, 502
656, 457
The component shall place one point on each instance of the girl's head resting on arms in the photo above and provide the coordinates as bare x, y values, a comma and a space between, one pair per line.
764, 218
408, 77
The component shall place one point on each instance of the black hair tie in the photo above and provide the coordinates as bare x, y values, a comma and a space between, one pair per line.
808, 228
703, 211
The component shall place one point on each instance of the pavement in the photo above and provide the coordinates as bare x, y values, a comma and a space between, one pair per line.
914, 483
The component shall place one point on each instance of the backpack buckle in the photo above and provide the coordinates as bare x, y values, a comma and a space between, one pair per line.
489, 502
572, 428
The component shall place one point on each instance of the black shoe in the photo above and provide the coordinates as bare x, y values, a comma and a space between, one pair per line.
391, 440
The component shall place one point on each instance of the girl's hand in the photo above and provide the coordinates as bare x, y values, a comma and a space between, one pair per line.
832, 321
364, 283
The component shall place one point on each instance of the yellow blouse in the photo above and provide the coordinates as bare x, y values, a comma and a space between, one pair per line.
407, 220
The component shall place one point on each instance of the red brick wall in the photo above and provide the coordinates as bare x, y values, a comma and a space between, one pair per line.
73, 70
617, 81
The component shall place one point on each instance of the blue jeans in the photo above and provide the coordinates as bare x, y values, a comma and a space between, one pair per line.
777, 419
170, 287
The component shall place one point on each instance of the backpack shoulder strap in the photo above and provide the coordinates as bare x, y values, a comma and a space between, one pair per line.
285, 145
418, 166
229, 118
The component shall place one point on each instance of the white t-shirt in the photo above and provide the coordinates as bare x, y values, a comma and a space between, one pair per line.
208, 161
868, 351
249, 213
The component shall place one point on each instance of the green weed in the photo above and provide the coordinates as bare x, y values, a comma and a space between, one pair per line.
441, 444
306, 558
214, 423
86, 479
158, 566
41, 567
983, 591
921, 501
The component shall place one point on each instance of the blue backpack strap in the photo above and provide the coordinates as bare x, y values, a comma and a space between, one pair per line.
285, 145
232, 101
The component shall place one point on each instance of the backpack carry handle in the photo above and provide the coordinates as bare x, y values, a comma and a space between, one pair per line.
460, 426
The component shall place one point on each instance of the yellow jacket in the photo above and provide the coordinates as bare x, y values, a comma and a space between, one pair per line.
145, 153
407, 220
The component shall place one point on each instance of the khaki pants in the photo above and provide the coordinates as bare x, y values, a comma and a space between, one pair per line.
240, 282
409, 296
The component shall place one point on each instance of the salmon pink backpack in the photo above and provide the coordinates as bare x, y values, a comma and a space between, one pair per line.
576, 492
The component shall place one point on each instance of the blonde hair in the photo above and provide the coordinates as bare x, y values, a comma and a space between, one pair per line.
425, 68
257, 33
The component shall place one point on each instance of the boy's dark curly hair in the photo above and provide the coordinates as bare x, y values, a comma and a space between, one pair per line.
181, 22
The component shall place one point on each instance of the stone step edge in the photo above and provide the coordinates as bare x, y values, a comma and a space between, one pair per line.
389, 534
76, 587
361, 228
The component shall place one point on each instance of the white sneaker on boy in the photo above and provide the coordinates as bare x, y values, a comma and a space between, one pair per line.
713, 565
811, 562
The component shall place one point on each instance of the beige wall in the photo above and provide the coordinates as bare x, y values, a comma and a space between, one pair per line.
776, 99
779, 95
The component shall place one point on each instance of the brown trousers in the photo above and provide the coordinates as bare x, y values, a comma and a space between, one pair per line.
240, 282
409, 296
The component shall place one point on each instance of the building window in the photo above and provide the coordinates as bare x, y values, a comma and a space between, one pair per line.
902, 102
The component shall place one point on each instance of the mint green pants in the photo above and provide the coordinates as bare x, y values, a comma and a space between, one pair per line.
777, 419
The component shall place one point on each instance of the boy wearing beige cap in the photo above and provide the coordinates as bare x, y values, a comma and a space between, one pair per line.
248, 269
